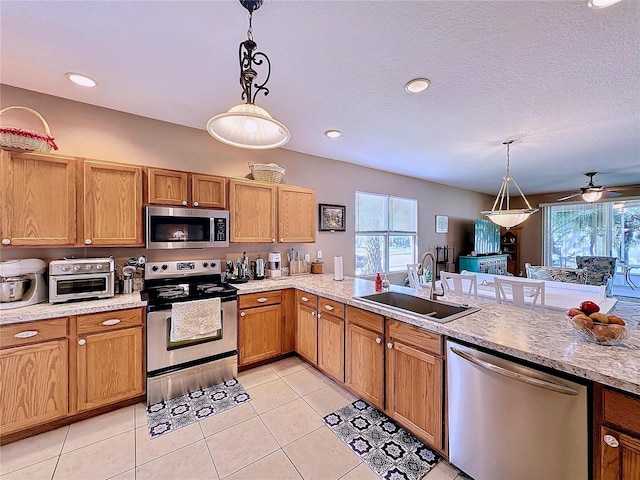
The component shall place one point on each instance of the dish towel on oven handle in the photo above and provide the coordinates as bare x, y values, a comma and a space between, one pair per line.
191, 320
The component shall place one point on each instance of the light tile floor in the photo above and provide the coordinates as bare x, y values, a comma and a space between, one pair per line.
279, 435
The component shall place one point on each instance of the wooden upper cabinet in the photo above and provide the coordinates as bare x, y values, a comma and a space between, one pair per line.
252, 211
171, 187
208, 191
112, 204
167, 187
296, 214
38, 199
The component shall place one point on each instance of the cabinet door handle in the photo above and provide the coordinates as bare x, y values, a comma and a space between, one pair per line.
109, 323
611, 441
282, 239
242, 314
6, 241
184, 202
87, 241
304, 299
26, 334
314, 313
378, 340
319, 315
262, 299
328, 307
82, 341
196, 204
389, 345
273, 240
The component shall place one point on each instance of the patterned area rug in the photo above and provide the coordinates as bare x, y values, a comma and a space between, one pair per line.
163, 417
389, 450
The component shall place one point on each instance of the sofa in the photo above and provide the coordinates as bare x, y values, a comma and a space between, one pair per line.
556, 274
598, 270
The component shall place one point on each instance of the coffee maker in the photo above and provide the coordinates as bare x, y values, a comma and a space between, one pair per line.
22, 283
274, 265
257, 268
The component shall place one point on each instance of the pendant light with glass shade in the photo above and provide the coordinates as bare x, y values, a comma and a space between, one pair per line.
247, 125
508, 217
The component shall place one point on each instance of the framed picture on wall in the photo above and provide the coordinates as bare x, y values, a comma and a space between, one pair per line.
442, 224
332, 218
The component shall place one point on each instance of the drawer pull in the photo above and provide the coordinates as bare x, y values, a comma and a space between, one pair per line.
196, 204
304, 299
87, 241
328, 307
242, 314
82, 341
6, 241
389, 345
262, 299
109, 323
378, 340
26, 334
611, 441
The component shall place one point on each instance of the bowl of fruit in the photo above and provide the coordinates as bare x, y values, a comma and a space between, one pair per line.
595, 326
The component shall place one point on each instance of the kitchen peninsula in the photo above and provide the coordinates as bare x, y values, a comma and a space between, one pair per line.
544, 339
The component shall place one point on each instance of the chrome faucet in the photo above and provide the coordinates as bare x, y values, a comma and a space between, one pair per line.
433, 294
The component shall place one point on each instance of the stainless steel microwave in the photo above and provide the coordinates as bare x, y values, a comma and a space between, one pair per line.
179, 227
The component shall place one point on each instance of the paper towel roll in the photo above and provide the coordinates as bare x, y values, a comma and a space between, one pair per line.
338, 272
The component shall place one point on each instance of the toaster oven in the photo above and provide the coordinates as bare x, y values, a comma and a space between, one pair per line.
81, 279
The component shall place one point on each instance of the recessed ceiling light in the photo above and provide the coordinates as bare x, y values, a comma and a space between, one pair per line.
82, 80
601, 3
333, 133
417, 85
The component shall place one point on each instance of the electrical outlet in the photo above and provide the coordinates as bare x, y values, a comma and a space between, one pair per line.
319, 254
307, 257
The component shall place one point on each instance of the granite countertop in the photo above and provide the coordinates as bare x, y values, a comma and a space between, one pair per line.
544, 339
42, 311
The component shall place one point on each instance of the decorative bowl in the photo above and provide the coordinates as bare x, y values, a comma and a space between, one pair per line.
600, 333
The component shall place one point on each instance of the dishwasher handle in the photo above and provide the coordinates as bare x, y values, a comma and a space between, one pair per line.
537, 382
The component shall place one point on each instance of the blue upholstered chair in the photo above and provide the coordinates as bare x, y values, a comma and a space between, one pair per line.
599, 270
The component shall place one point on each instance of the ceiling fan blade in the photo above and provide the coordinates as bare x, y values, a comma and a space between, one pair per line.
623, 188
568, 197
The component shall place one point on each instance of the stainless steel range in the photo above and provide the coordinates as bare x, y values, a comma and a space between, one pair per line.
178, 367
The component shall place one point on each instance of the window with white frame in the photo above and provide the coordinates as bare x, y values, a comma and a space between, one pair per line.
386, 233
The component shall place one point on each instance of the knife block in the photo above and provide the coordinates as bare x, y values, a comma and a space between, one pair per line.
298, 267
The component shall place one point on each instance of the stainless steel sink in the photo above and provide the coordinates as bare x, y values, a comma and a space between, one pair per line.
439, 311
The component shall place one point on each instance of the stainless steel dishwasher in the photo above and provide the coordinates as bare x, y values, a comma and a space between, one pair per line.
509, 421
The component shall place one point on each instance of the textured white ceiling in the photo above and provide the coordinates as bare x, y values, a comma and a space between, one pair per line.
558, 77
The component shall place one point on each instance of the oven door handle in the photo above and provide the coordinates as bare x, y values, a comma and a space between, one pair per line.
537, 382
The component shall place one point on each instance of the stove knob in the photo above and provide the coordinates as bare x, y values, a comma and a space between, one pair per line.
99, 266
154, 268
205, 264
65, 268
165, 266
213, 264
88, 267
76, 268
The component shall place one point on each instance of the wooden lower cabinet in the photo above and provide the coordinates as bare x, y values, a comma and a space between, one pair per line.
616, 435
109, 367
364, 355
260, 337
331, 339
34, 385
415, 389
260, 323
307, 333
288, 320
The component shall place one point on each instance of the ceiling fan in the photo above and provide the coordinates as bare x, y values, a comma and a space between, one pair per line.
592, 192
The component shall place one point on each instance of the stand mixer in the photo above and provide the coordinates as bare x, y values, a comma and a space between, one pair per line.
22, 283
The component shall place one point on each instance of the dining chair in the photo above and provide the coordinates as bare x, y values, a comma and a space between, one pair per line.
454, 284
513, 292
414, 278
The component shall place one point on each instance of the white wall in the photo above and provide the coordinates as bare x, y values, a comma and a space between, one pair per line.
88, 131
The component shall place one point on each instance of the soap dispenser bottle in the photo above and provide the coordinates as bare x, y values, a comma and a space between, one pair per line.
378, 282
